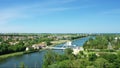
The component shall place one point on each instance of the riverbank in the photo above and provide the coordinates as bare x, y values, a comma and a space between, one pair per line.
32, 59
5, 56
2, 57
54, 43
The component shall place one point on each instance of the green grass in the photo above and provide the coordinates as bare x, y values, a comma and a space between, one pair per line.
2, 57
54, 43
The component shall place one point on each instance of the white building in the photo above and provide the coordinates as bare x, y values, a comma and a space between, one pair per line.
116, 38
81, 49
69, 43
35, 46
77, 50
27, 49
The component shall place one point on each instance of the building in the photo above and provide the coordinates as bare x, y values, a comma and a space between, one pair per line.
77, 50
39, 46
27, 49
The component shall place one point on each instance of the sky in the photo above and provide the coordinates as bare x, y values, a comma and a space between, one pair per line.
59, 16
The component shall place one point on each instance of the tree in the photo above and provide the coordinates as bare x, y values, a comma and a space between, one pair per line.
92, 57
48, 43
101, 63
81, 55
68, 51
79, 63
116, 63
110, 57
1, 39
49, 58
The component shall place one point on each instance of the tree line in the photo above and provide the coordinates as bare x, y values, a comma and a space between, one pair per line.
103, 42
82, 60
6, 47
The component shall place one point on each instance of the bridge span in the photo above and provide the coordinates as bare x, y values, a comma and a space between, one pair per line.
67, 45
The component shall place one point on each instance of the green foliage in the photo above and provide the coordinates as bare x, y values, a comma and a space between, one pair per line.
96, 43
48, 43
68, 51
101, 63
6, 48
99, 45
21, 41
116, 63
105, 60
118, 54
91, 66
102, 42
92, 57
110, 57
81, 55
50, 58
68, 54
1, 39
79, 63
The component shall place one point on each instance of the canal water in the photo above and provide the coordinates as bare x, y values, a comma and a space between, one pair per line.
34, 59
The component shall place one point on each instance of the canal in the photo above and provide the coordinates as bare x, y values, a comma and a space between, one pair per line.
34, 59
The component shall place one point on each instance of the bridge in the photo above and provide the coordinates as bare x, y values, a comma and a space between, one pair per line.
67, 45
57, 48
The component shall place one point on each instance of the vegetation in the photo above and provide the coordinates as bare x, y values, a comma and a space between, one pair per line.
103, 42
11, 43
104, 60
100, 52
52, 57
3, 57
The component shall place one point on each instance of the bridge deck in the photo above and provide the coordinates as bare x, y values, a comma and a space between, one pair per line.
57, 48
63, 47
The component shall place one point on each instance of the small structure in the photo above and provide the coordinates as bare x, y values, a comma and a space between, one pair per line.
81, 49
69, 43
36, 46
77, 50
116, 38
42, 45
110, 46
97, 54
39, 46
27, 49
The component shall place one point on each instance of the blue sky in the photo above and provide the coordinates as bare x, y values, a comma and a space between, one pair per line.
60, 16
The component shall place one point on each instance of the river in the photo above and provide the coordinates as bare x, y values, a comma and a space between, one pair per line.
34, 59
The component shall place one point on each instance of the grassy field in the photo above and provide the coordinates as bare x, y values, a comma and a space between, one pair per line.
58, 42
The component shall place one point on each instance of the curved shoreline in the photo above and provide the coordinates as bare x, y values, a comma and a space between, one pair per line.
6, 56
